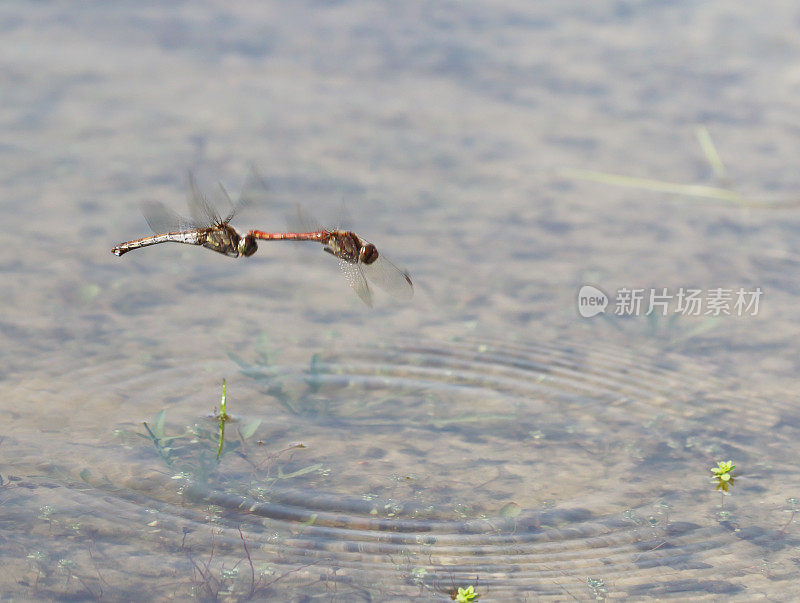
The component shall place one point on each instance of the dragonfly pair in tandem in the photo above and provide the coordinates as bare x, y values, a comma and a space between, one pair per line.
358, 259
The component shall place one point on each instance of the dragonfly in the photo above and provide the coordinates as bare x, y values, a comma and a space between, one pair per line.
206, 227
359, 260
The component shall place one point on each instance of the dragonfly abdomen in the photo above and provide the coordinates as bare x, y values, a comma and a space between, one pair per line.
189, 238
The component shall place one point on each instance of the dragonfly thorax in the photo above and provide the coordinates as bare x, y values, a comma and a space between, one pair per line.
347, 246
224, 239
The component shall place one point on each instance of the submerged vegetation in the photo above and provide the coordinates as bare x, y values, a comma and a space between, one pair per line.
675, 332
293, 400
304, 394
723, 193
196, 453
315, 391
227, 482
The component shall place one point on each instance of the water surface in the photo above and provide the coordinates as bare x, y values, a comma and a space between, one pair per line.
483, 434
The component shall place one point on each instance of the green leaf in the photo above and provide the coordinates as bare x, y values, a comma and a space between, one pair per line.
238, 360
158, 423
247, 430
314, 382
264, 349
299, 472
311, 520
223, 400
510, 510
167, 439
723, 468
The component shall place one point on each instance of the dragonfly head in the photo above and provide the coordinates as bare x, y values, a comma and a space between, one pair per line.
368, 253
247, 245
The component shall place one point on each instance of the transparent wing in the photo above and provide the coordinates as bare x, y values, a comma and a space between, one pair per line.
202, 211
300, 220
162, 219
223, 200
344, 220
389, 277
255, 190
354, 276
254, 195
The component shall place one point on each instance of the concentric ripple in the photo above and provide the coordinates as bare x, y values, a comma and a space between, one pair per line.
563, 471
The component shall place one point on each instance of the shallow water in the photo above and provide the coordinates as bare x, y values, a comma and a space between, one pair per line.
483, 434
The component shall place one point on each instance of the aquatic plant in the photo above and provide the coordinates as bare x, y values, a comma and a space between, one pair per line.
723, 194
465, 594
191, 451
195, 455
210, 579
304, 394
294, 401
723, 469
222, 418
793, 504
675, 332
598, 588
723, 477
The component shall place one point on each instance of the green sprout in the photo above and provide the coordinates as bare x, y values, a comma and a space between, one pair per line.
722, 475
466, 594
723, 470
222, 417
197, 451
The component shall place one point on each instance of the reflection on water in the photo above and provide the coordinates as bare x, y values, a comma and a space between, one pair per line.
414, 469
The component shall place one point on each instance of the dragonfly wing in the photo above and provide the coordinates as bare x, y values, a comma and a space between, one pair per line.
162, 219
255, 190
354, 276
389, 277
223, 199
299, 220
201, 210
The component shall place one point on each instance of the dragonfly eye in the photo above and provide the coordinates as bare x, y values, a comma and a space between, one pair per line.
368, 253
248, 245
